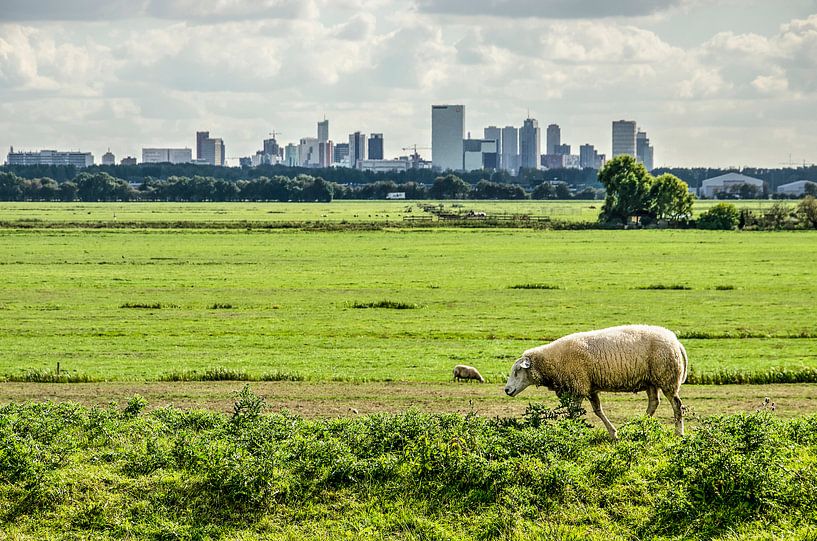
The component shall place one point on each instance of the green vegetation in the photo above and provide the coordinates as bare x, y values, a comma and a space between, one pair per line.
68, 471
292, 293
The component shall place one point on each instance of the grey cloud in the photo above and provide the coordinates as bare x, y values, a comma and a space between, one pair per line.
548, 9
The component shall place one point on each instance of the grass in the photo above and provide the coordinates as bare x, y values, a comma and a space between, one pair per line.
393, 305
296, 291
665, 286
125, 472
534, 286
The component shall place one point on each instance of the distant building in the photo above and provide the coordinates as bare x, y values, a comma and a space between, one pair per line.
212, 150
492, 133
246, 161
560, 161
357, 148
308, 152
643, 150
201, 137
323, 131
341, 152
554, 139
383, 166
624, 137
272, 148
447, 130
292, 156
50, 157
325, 153
479, 154
510, 149
375, 148
529, 144
108, 158
396, 195
729, 183
167, 155
127, 161
797, 188
562, 149
587, 156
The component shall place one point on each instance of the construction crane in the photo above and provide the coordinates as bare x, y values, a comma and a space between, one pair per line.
415, 157
274, 134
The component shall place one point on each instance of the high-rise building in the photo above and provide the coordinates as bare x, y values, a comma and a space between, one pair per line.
357, 148
509, 160
530, 141
108, 158
479, 154
167, 155
375, 146
291, 156
447, 129
325, 153
127, 161
308, 152
201, 137
212, 151
495, 134
624, 137
323, 131
562, 150
554, 139
643, 150
50, 157
341, 152
271, 147
588, 157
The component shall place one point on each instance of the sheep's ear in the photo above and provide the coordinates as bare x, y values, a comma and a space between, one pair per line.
525, 362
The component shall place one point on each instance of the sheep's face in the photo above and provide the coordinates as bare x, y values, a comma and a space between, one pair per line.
520, 377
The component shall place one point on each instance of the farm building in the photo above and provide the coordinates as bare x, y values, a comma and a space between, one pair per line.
798, 187
729, 183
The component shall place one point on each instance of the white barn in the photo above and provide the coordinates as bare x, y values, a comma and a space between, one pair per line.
727, 183
796, 188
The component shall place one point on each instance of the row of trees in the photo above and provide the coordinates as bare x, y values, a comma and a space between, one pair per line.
101, 186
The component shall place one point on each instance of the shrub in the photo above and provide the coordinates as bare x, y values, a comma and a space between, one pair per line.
720, 216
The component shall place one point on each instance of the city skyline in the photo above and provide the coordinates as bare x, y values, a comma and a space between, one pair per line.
714, 83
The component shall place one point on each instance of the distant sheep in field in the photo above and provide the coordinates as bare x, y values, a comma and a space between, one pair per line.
630, 358
464, 372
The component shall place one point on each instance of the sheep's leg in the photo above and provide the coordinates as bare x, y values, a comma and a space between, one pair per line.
596, 403
677, 409
652, 394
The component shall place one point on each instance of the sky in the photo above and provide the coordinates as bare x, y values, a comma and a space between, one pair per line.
719, 83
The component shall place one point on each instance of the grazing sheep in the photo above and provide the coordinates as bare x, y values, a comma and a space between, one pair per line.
465, 372
630, 358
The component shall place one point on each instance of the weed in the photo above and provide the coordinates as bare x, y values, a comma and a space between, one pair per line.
725, 287
221, 306
145, 305
534, 286
666, 286
394, 305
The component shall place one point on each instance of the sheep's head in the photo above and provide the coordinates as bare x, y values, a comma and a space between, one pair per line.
520, 377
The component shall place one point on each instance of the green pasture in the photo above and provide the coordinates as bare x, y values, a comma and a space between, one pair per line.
336, 211
282, 301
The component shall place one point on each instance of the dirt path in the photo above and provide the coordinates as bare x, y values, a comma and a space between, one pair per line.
330, 399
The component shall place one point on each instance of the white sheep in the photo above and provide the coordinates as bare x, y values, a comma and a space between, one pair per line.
462, 371
629, 358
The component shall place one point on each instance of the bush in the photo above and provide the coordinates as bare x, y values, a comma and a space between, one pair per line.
720, 216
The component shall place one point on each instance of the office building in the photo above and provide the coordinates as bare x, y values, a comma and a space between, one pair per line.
589, 157
509, 161
447, 130
554, 139
271, 147
375, 148
212, 151
108, 158
383, 166
167, 155
643, 150
493, 133
201, 137
529, 144
562, 150
357, 148
323, 131
624, 137
292, 157
50, 157
128, 161
308, 153
341, 152
325, 158
479, 154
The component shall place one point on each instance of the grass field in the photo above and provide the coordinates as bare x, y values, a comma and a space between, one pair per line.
144, 304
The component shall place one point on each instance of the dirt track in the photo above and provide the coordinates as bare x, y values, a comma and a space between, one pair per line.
331, 399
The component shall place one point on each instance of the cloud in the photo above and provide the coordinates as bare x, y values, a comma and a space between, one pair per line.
548, 9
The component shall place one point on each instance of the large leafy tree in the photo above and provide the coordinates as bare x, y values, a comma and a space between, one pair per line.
628, 185
671, 199
449, 187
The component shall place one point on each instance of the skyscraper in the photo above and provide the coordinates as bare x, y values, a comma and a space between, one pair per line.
212, 151
108, 158
492, 132
554, 139
509, 160
357, 148
643, 150
530, 141
323, 131
376, 146
447, 129
341, 152
623, 137
201, 137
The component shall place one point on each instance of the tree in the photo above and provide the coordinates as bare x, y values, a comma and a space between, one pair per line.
671, 199
721, 216
807, 211
628, 186
544, 190
449, 187
11, 188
